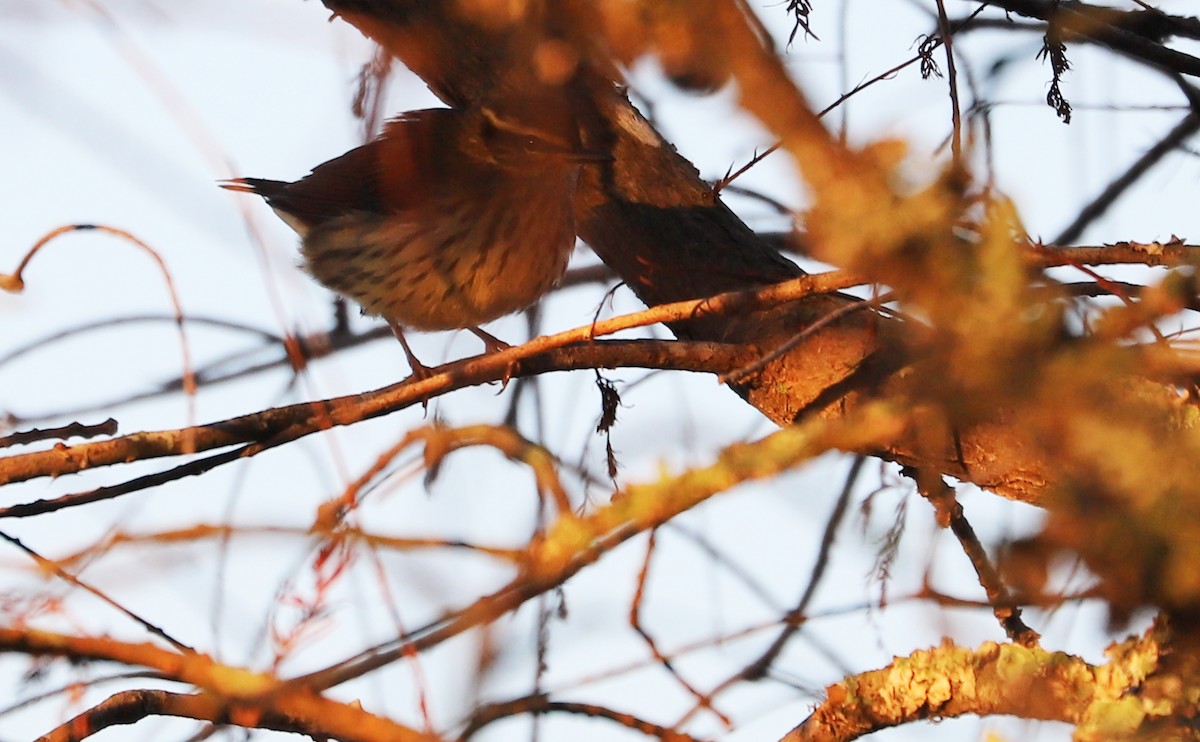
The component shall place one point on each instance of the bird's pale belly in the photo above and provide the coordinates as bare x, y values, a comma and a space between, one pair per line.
422, 278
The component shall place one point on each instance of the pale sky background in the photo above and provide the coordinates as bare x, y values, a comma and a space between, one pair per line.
127, 117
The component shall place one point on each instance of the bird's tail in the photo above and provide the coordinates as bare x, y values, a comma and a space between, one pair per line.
258, 186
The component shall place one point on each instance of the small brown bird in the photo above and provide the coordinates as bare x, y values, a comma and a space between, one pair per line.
449, 219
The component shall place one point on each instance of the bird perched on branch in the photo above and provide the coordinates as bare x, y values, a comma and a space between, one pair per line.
449, 219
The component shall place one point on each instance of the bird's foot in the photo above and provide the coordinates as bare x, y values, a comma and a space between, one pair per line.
420, 371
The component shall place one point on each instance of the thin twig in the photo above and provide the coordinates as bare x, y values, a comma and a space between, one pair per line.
950, 515
53, 567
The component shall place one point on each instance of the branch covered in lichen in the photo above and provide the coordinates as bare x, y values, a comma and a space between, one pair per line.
1103, 701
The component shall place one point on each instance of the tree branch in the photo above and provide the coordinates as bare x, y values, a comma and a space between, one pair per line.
1030, 683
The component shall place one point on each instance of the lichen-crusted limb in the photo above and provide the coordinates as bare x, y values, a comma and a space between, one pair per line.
1107, 701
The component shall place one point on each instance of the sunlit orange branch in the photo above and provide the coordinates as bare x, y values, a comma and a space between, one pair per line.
231, 695
345, 410
574, 542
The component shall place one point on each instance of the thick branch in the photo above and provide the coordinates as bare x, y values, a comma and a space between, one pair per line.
995, 679
227, 690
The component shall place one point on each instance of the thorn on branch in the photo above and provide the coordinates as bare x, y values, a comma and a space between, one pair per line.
731, 175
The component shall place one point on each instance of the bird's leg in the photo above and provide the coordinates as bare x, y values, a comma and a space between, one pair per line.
491, 343
419, 370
